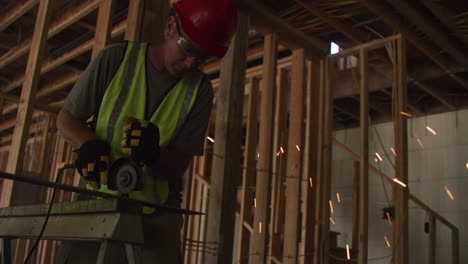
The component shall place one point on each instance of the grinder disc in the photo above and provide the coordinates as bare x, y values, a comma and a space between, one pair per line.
124, 175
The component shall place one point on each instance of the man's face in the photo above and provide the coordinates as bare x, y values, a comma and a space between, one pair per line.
182, 55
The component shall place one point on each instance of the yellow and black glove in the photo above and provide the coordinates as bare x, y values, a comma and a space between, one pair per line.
92, 162
140, 140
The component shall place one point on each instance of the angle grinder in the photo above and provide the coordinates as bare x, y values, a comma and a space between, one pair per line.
125, 176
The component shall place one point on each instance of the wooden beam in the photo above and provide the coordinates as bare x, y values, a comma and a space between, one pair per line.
364, 162
267, 22
314, 80
322, 221
63, 21
280, 142
352, 33
264, 149
15, 157
51, 64
103, 26
382, 10
248, 174
432, 240
15, 12
445, 16
356, 203
455, 246
227, 153
400, 231
293, 174
431, 29
135, 19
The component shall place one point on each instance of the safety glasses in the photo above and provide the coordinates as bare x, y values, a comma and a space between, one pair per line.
189, 48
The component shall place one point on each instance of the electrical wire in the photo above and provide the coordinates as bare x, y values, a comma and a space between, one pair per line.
41, 233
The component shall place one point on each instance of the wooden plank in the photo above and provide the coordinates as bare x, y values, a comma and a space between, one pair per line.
264, 149
356, 197
293, 38
280, 142
15, 12
314, 74
227, 153
432, 240
134, 20
322, 221
400, 231
364, 162
248, 174
103, 26
63, 21
293, 174
431, 28
455, 246
15, 157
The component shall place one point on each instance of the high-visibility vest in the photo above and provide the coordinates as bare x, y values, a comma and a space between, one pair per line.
126, 96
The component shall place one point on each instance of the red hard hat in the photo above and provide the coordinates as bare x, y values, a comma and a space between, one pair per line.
210, 24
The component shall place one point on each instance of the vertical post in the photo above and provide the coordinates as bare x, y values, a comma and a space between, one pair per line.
432, 239
278, 166
322, 223
227, 152
400, 231
28, 93
293, 174
134, 20
356, 195
248, 175
364, 162
311, 150
455, 247
103, 26
264, 149
154, 19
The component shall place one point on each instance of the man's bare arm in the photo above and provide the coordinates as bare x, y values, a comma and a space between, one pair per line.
74, 130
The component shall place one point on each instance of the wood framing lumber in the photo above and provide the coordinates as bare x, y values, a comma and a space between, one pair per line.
266, 22
264, 149
135, 19
227, 152
12, 14
15, 157
63, 21
294, 152
103, 26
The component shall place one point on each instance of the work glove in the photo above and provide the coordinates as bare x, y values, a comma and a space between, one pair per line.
92, 162
140, 140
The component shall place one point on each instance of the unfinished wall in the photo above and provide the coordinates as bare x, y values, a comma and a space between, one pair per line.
437, 162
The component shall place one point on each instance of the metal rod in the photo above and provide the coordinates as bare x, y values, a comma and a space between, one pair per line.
49, 184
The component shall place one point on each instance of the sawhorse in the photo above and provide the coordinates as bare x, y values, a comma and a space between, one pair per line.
102, 220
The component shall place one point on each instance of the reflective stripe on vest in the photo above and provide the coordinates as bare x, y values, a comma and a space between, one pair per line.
126, 96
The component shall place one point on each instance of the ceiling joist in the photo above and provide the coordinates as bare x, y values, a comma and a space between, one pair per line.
12, 14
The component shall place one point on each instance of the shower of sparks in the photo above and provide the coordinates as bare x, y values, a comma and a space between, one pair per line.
466, 166
347, 252
277, 154
298, 149
433, 132
331, 220
419, 142
406, 114
210, 139
255, 202
338, 197
449, 193
378, 156
393, 151
260, 227
399, 182
281, 149
311, 183
376, 160
386, 241
258, 155
331, 206
389, 219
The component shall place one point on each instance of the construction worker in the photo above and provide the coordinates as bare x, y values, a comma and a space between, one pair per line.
150, 102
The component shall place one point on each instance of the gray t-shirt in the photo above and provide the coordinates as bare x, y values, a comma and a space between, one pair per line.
86, 96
